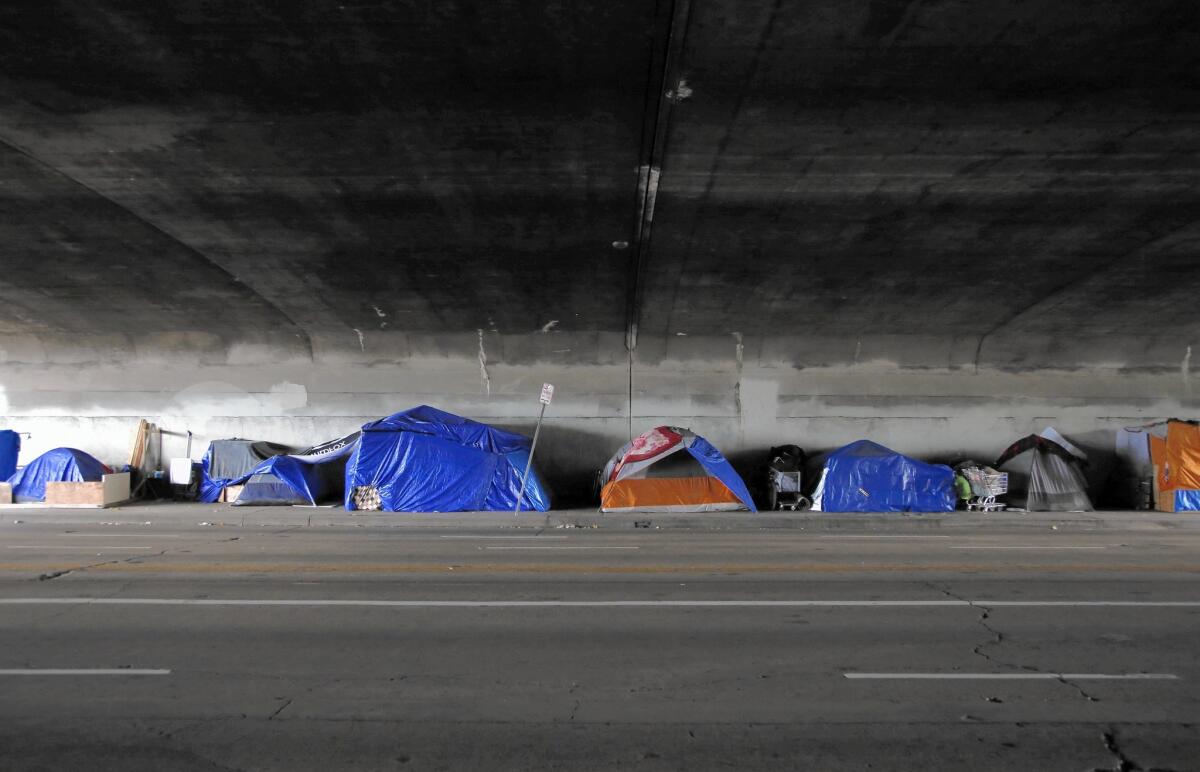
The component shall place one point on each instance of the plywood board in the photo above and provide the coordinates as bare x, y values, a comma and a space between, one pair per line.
111, 489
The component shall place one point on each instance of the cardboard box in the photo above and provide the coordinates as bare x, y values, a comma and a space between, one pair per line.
5, 493
112, 489
230, 493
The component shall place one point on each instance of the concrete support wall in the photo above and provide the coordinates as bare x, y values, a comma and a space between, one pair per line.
932, 398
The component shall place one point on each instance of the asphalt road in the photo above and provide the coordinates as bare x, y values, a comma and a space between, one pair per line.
179, 646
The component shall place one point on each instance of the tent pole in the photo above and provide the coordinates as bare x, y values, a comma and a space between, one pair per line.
529, 463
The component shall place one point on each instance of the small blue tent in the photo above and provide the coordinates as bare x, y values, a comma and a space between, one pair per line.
307, 477
10, 449
428, 460
866, 477
229, 462
58, 465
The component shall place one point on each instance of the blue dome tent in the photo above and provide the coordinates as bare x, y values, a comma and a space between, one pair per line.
867, 477
428, 460
58, 465
307, 477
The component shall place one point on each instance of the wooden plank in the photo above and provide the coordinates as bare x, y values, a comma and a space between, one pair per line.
138, 449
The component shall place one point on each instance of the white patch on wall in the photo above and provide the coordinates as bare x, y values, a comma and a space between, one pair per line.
211, 399
760, 407
287, 396
1185, 369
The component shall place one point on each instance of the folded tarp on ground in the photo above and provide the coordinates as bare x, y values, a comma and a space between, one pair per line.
428, 460
58, 465
867, 477
308, 477
226, 461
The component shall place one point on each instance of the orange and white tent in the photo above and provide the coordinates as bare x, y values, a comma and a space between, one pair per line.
669, 469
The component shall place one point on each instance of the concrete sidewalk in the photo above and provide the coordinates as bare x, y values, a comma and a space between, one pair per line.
192, 514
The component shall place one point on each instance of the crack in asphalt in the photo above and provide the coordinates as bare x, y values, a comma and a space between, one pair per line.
281, 708
49, 575
998, 638
1123, 762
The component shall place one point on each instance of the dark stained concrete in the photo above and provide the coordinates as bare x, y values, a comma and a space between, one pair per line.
940, 224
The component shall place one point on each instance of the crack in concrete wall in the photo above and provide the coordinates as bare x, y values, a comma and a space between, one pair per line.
484, 378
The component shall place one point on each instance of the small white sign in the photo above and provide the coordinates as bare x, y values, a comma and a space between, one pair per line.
547, 393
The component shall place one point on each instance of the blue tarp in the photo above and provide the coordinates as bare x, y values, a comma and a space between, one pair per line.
10, 448
307, 477
1187, 501
229, 462
58, 465
866, 477
715, 464
428, 460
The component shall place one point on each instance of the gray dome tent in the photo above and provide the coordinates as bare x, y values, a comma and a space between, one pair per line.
1045, 474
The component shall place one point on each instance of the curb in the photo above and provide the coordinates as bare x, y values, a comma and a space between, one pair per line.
188, 514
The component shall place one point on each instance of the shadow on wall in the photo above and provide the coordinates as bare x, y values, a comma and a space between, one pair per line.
568, 459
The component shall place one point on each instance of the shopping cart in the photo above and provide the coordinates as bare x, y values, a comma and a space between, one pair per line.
986, 485
785, 492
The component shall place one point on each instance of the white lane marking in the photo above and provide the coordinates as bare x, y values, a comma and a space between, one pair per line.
72, 547
1022, 547
463, 536
593, 603
882, 536
128, 671
559, 547
1015, 676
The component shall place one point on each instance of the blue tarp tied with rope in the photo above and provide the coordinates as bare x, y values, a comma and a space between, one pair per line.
866, 477
428, 460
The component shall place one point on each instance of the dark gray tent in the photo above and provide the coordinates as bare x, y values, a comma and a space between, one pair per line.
1045, 476
229, 460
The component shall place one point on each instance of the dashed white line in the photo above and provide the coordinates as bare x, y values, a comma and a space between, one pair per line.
72, 547
113, 671
466, 536
1040, 547
1013, 676
881, 536
558, 547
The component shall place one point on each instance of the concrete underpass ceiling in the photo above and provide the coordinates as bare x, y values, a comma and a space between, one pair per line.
999, 171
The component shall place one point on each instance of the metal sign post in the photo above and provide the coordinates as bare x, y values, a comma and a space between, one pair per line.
545, 399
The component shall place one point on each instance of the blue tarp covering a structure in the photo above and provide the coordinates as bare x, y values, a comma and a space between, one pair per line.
866, 477
427, 460
307, 477
58, 465
227, 462
10, 448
